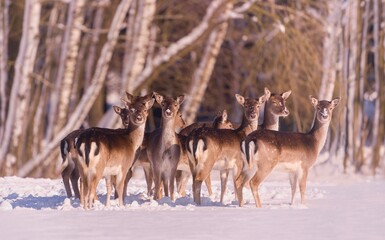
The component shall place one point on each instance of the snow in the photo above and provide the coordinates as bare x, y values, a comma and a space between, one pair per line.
337, 207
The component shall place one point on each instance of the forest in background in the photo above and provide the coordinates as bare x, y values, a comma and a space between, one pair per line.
64, 63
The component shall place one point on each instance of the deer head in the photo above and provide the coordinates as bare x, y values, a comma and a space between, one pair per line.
170, 106
324, 108
276, 103
222, 121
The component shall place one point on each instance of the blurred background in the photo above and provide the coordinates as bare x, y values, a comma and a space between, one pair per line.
64, 63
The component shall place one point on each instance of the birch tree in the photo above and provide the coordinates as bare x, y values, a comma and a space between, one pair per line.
20, 95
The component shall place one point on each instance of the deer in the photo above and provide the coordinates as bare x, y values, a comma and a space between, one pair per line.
183, 173
275, 107
265, 150
164, 149
69, 155
143, 160
210, 148
110, 153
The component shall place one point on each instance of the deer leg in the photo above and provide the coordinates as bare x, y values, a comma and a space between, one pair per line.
148, 176
258, 178
66, 181
197, 191
157, 182
224, 176
239, 183
165, 185
185, 176
179, 179
127, 178
208, 185
302, 185
120, 188
293, 177
109, 190
74, 181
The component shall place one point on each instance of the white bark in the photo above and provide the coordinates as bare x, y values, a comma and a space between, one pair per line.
20, 93
203, 73
4, 6
70, 47
329, 66
143, 22
181, 44
90, 94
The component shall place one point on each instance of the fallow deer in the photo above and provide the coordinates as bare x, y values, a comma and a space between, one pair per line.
275, 107
265, 150
110, 153
70, 156
183, 173
210, 148
143, 160
163, 149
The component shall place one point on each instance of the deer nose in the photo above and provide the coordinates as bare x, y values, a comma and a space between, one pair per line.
139, 118
168, 112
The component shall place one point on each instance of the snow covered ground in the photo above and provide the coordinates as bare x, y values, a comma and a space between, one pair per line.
342, 207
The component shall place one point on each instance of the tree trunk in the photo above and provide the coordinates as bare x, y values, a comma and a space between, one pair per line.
15, 131
377, 135
64, 81
4, 8
351, 58
89, 95
203, 73
361, 126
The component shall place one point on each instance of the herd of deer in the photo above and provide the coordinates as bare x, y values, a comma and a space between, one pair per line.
174, 152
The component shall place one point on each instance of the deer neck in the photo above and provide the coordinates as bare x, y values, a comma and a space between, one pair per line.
270, 121
136, 134
168, 131
319, 132
247, 127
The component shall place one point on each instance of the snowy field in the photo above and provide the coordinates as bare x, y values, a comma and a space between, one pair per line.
342, 207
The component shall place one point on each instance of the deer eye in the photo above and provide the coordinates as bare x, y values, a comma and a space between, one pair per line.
132, 110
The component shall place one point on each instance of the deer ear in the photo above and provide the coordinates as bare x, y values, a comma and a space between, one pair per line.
149, 103
262, 99
117, 109
180, 99
285, 95
224, 116
158, 97
130, 98
313, 100
126, 103
240, 99
335, 102
267, 93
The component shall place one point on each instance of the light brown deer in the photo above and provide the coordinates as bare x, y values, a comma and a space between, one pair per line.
275, 107
183, 173
264, 150
110, 153
210, 148
163, 149
69, 155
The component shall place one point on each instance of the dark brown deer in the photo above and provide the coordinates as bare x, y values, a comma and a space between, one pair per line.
295, 153
69, 155
183, 173
110, 153
163, 148
210, 148
143, 160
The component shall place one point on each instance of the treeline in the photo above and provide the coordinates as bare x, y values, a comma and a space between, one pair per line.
64, 63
